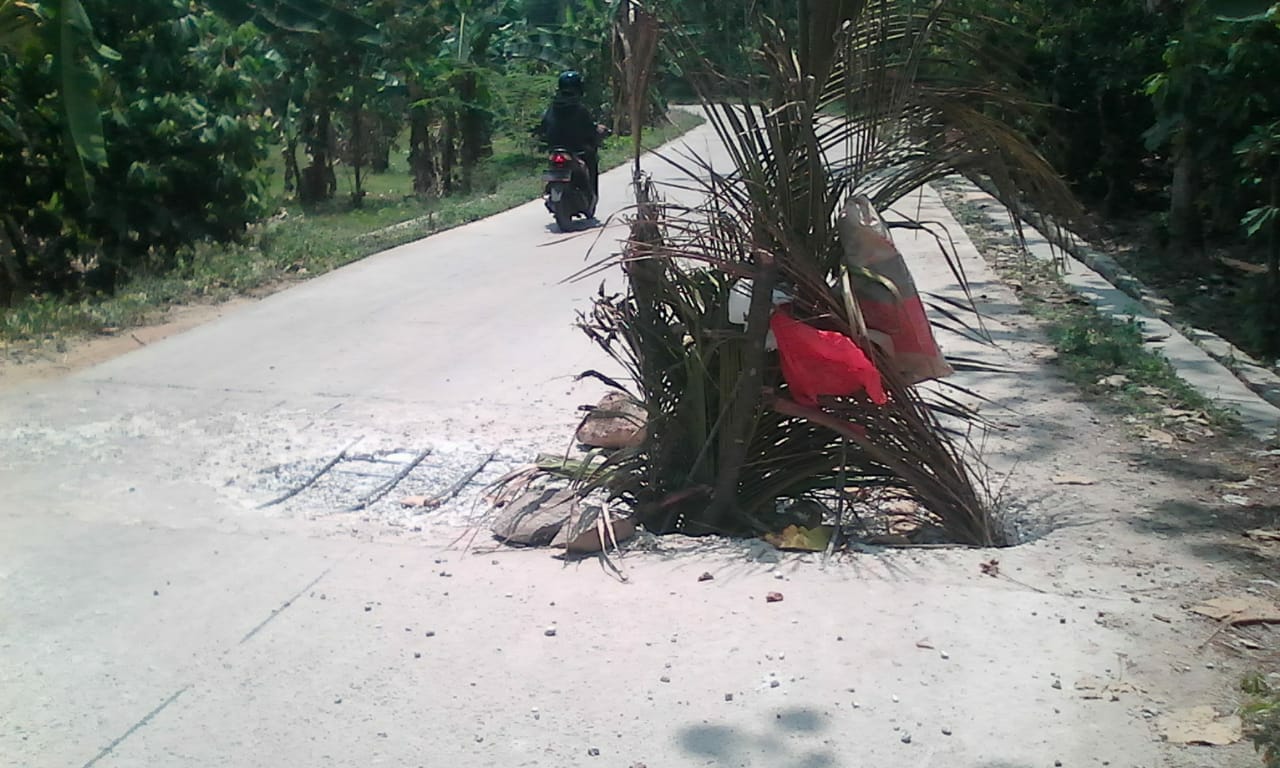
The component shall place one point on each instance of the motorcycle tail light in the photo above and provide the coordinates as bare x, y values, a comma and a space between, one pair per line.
559, 159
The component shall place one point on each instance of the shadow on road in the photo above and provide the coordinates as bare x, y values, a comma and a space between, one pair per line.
775, 744
579, 225
791, 740
1186, 467
1215, 532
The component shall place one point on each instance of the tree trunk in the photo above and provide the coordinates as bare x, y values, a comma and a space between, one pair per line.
1271, 321
1109, 158
12, 284
357, 156
292, 174
422, 164
618, 82
473, 138
1186, 235
381, 135
318, 182
743, 410
448, 151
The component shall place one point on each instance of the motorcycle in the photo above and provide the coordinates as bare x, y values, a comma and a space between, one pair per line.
568, 190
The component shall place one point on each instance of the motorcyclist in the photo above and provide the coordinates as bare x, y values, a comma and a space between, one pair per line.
568, 123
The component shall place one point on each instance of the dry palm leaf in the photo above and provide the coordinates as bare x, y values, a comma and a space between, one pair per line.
868, 96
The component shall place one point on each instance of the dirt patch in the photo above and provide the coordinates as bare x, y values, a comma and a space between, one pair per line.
25, 365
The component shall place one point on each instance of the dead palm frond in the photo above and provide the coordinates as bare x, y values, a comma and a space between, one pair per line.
860, 97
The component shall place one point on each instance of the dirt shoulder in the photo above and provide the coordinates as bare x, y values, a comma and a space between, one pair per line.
23, 365
1147, 496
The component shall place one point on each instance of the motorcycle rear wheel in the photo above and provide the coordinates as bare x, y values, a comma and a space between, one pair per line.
564, 217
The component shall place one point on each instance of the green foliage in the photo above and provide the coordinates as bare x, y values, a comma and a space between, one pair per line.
1165, 111
301, 16
1261, 713
183, 136
297, 244
1093, 347
524, 95
1090, 60
174, 164
62, 32
1209, 88
167, 110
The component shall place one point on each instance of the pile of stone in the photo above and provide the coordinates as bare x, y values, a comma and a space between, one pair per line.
546, 511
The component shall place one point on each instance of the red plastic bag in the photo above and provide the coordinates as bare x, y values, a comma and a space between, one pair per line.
816, 362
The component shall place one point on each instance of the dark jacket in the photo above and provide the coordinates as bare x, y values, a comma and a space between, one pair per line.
569, 124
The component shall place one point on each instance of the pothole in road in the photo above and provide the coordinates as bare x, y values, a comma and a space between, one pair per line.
451, 482
448, 480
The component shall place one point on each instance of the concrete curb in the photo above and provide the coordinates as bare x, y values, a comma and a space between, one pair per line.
1256, 375
1105, 284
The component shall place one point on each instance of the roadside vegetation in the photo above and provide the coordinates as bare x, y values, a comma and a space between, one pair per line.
1105, 357
1261, 713
162, 151
1163, 130
301, 241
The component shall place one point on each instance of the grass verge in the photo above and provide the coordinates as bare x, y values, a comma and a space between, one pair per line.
297, 244
1261, 714
1103, 356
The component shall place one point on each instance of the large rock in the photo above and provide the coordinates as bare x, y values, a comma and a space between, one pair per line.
581, 535
535, 518
617, 422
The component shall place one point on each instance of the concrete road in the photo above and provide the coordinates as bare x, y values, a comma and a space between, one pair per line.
151, 615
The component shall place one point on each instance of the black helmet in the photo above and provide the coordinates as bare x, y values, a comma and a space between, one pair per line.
570, 83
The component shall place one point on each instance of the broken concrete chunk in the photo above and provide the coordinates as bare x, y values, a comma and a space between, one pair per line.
581, 536
534, 518
1239, 610
617, 422
1200, 725
1070, 479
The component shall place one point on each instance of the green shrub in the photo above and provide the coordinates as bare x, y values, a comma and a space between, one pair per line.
1262, 718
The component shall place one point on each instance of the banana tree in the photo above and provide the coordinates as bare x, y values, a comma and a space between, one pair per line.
465, 71
325, 43
61, 30
299, 16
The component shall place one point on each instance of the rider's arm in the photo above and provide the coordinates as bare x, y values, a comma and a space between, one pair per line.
589, 128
